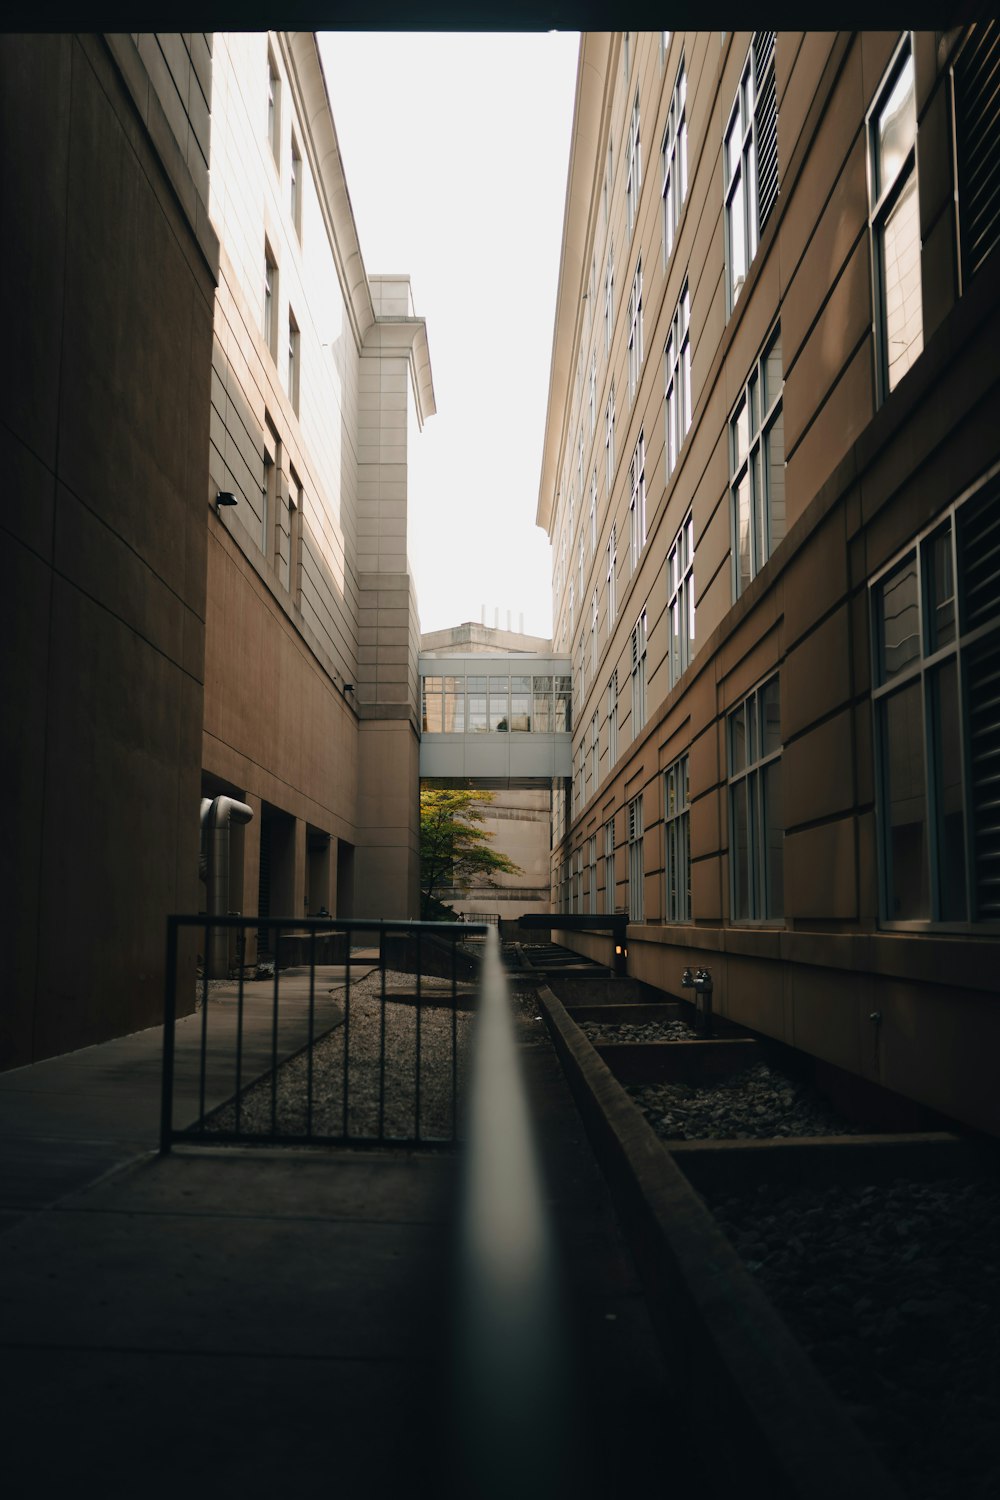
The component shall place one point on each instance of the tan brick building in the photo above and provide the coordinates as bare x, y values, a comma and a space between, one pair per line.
771, 478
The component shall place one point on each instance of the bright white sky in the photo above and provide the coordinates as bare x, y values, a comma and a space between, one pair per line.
456, 149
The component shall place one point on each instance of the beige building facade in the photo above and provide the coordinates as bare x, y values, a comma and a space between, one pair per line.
771, 477
206, 580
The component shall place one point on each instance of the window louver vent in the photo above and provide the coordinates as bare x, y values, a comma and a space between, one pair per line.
984, 759
977, 118
980, 560
765, 124
979, 544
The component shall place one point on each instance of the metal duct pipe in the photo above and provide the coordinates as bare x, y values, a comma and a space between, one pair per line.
217, 820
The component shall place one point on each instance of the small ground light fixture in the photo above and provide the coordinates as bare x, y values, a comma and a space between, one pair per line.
225, 497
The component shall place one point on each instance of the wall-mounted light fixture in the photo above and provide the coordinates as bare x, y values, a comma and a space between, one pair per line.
347, 688
225, 497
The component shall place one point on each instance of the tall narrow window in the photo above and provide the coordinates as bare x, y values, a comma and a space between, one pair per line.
680, 587
571, 604
677, 842
756, 820
293, 361
592, 874
677, 380
633, 178
637, 501
635, 331
268, 498
675, 162
895, 224
612, 576
750, 157
609, 299
757, 467
295, 539
594, 753
564, 705
613, 720
636, 869
593, 633
579, 571
593, 393
638, 675
270, 319
609, 440
295, 186
936, 656
609, 866
273, 105
593, 513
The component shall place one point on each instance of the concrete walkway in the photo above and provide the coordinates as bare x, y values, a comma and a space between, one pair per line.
234, 1322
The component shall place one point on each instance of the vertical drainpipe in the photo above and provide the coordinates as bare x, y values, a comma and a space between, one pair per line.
217, 817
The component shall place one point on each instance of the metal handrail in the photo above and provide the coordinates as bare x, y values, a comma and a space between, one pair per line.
514, 1374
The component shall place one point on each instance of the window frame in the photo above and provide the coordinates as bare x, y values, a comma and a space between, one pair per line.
635, 331
677, 841
633, 176
612, 578
639, 649
764, 538
677, 381
612, 720
753, 776
637, 502
674, 159
635, 864
681, 600
882, 201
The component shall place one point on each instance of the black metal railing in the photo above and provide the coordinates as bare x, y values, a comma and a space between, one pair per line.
355, 1035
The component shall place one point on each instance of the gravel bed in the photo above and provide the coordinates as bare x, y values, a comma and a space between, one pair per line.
364, 1074
759, 1103
895, 1293
648, 1031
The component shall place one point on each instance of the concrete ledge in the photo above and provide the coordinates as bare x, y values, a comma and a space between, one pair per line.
826, 1161
765, 1419
626, 1013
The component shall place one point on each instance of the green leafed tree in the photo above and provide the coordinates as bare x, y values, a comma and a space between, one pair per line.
455, 850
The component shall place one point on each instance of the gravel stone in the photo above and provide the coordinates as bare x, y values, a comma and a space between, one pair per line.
288, 1084
900, 1310
759, 1103
647, 1031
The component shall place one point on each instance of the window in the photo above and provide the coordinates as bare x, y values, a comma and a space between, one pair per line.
581, 675
564, 705
750, 159
633, 179
637, 501
443, 705
273, 105
664, 45
680, 607
293, 361
977, 140
612, 580
593, 632
593, 513
609, 865
757, 467
283, 560
541, 706
294, 584
677, 842
936, 669
592, 873
268, 498
593, 393
477, 701
613, 720
636, 871
595, 753
578, 905
609, 440
571, 597
638, 675
635, 331
675, 161
295, 186
520, 705
677, 380
608, 180
499, 706
269, 322
609, 298
756, 826
895, 224
579, 570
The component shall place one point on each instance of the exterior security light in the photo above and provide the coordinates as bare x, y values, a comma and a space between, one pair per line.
225, 497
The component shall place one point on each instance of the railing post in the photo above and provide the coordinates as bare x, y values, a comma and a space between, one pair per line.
169, 1019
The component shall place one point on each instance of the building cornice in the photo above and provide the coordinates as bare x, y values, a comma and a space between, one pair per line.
590, 107
304, 66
